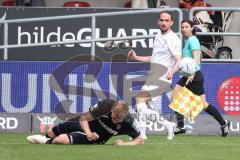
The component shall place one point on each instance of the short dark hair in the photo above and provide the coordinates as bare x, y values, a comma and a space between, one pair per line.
167, 12
191, 24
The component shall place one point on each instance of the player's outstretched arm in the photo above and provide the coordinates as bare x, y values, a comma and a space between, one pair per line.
132, 55
137, 141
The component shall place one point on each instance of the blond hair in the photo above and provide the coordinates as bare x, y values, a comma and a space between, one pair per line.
122, 107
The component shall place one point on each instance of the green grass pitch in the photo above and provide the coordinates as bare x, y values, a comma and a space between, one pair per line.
183, 147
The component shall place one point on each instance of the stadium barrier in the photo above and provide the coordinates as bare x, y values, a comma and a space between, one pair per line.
228, 9
93, 39
211, 30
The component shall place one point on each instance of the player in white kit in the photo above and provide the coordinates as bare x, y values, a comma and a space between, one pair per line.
166, 54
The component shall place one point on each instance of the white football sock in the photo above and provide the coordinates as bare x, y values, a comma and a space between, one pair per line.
145, 114
156, 117
142, 117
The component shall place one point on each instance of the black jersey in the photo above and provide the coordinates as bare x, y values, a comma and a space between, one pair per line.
104, 126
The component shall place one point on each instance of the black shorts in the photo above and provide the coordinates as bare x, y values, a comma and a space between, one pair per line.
196, 86
74, 132
79, 138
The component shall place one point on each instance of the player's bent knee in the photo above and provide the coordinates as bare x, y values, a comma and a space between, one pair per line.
61, 139
143, 96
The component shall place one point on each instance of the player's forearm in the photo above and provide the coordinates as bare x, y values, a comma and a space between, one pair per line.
137, 141
196, 55
176, 65
143, 58
85, 126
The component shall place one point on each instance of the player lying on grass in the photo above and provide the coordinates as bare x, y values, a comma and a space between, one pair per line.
106, 119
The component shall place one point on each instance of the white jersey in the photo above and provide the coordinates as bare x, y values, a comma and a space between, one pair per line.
165, 47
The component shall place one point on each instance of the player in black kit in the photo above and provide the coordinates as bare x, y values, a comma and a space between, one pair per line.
106, 119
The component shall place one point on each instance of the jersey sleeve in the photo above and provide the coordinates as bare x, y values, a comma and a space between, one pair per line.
175, 46
131, 128
101, 108
194, 44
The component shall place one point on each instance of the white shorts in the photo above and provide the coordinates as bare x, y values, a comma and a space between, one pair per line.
157, 88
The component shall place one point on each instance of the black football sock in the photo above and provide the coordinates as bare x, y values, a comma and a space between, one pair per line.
50, 140
215, 114
180, 120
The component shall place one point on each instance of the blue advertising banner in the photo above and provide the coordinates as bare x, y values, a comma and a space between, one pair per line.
50, 87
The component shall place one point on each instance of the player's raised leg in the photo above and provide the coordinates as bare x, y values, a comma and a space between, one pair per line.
145, 111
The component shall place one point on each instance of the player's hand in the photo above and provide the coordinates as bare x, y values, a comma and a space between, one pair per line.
132, 54
119, 142
93, 136
190, 79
